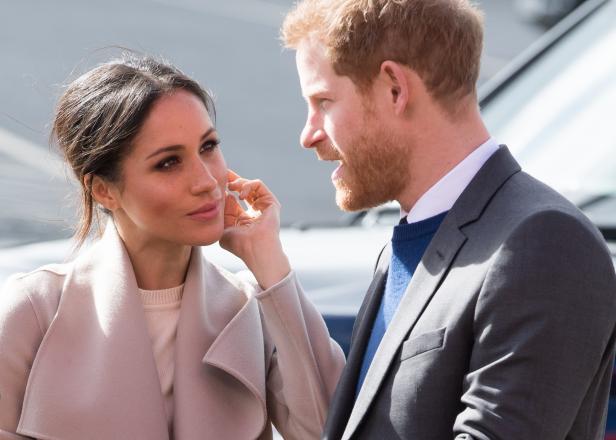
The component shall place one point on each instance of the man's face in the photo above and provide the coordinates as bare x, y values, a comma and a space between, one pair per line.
343, 125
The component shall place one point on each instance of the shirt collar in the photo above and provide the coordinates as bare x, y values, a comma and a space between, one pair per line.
443, 194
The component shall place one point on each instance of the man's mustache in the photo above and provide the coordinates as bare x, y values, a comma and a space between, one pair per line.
327, 152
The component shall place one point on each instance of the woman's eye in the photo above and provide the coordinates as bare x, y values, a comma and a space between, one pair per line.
168, 163
210, 145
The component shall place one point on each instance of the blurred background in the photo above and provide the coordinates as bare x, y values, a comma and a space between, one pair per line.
230, 46
547, 89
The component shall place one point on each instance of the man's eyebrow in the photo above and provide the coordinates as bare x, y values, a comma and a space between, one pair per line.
316, 93
316, 96
179, 147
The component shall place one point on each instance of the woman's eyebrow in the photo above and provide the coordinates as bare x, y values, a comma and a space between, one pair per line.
178, 147
165, 150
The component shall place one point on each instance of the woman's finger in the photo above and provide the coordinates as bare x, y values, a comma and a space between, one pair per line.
253, 189
237, 184
262, 202
254, 192
232, 175
233, 211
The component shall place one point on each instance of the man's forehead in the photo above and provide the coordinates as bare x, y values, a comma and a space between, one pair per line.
315, 71
314, 88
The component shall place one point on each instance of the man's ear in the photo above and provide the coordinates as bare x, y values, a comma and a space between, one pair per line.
103, 192
398, 86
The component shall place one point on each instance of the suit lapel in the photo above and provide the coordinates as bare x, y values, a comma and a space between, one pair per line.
372, 300
344, 396
428, 276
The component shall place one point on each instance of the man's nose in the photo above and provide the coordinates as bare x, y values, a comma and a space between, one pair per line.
203, 179
312, 133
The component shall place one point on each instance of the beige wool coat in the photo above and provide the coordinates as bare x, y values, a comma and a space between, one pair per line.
76, 360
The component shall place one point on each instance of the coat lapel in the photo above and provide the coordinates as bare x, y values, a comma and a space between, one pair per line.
94, 375
428, 276
220, 358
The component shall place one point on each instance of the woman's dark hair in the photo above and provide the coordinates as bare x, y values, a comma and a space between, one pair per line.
101, 112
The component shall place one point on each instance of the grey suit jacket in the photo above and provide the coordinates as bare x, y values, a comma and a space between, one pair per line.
505, 332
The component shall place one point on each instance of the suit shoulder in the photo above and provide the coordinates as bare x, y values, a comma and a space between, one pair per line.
540, 235
525, 202
560, 247
562, 221
531, 189
558, 230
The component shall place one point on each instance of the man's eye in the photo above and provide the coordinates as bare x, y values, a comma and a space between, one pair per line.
210, 145
323, 103
168, 163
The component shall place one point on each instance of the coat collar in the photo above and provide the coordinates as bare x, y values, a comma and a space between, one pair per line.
95, 376
428, 276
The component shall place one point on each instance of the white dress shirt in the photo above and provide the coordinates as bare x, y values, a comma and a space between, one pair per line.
443, 194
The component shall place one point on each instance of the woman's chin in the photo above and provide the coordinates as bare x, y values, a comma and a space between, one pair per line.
203, 234
205, 242
208, 238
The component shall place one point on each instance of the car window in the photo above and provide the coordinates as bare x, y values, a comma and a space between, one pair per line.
558, 116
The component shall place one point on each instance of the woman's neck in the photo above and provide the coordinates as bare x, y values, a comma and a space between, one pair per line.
157, 264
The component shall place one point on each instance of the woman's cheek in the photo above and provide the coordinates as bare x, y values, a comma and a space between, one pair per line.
158, 199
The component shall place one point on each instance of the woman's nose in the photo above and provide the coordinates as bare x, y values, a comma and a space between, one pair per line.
203, 179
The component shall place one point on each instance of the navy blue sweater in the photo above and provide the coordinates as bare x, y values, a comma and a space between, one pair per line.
409, 242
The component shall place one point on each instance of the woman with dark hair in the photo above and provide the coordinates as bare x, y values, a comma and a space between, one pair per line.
140, 337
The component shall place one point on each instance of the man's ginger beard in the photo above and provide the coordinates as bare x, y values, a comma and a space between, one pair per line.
374, 170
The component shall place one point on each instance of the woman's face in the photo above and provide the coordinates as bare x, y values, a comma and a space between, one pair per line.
173, 181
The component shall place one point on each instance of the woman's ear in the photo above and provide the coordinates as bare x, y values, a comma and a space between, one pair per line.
103, 192
398, 85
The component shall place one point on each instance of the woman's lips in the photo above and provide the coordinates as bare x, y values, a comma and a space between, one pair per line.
206, 212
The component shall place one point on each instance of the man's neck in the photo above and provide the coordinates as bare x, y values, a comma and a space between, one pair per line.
437, 151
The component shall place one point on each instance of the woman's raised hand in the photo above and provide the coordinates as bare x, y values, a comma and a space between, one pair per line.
253, 234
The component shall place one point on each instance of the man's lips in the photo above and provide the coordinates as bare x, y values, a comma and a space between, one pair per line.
337, 173
330, 155
327, 153
207, 211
